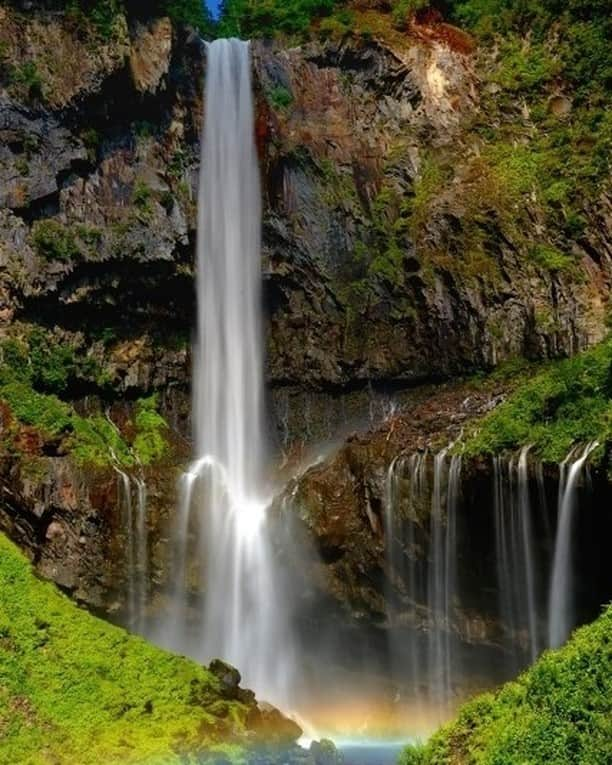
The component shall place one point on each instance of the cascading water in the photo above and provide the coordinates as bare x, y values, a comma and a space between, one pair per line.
443, 573
221, 522
514, 550
429, 661
561, 604
133, 500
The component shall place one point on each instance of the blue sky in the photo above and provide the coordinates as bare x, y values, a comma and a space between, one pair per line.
214, 6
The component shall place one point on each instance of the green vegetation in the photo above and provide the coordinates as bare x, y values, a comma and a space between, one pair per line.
402, 10
558, 712
103, 15
569, 402
190, 12
280, 97
54, 240
267, 18
25, 79
551, 258
141, 197
74, 689
33, 372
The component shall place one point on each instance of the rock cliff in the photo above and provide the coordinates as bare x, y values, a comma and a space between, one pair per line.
401, 245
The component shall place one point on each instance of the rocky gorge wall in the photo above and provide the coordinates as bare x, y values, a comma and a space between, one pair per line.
396, 252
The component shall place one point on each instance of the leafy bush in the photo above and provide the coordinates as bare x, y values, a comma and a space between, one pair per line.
74, 689
53, 240
582, 31
26, 78
557, 712
280, 97
403, 9
191, 12
101, 14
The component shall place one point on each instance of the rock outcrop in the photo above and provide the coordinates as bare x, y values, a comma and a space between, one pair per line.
381, 265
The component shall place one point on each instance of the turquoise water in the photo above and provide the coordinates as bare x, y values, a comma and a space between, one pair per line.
370, 753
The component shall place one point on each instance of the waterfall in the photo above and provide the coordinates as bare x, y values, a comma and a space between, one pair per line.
561, 602
221, 537
516, 581
442, 573
431, 664
133, 501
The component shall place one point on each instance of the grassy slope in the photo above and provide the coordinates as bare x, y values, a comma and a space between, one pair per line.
74, 689
567, 403
559, 712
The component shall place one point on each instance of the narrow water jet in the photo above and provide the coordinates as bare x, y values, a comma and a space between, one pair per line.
561, 617
132, 492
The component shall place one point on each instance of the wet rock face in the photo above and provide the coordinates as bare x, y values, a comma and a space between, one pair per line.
341, 500
354, 293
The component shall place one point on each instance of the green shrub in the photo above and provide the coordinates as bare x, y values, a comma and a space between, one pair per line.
557, 712
402, 10
32, 372
141, 195
103, 15
150, 443
190, 12
551, 258
54, 240
280, 97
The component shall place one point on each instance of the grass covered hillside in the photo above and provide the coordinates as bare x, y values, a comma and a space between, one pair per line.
559, 712
76, 690
565, 404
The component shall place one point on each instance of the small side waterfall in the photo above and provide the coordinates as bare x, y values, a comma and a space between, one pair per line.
515, 564
132, 492
561, 608
429, 586
428, 601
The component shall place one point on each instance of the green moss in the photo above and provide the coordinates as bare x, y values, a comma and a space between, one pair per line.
150, 444
558, 712
74, 689
551, 258
568, 403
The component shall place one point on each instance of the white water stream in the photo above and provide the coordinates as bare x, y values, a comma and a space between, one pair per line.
221, 521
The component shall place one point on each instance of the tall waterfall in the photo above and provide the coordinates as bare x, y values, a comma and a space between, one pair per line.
221, 522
